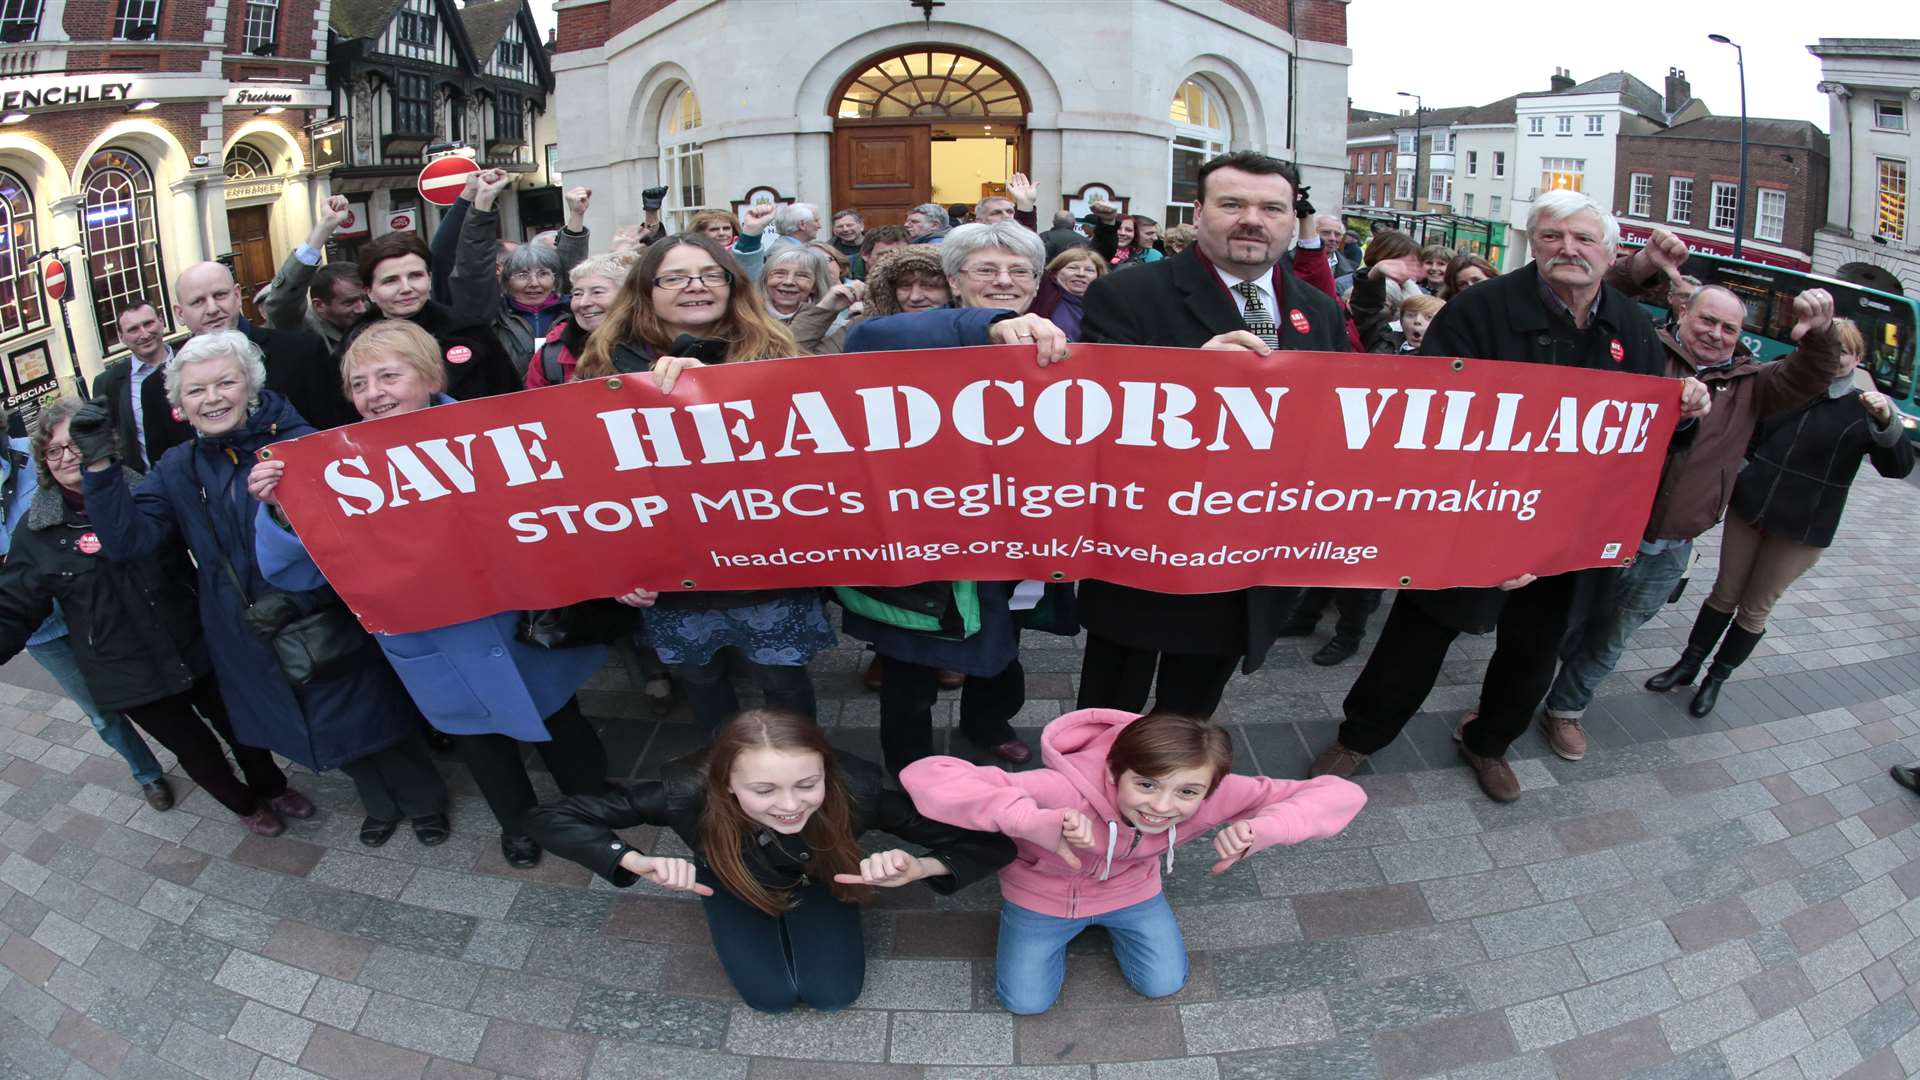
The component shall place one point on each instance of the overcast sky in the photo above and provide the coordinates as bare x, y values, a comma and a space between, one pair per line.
1480, 51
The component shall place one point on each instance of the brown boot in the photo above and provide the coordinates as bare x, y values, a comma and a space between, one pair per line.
1495, 775
1337, 760
1565, 735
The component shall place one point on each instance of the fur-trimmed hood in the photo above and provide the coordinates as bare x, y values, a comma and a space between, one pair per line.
48, 509
891, 267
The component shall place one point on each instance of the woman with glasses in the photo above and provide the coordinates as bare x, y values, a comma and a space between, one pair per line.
686, 304
993, 270
529, 301
794, 277
135, 637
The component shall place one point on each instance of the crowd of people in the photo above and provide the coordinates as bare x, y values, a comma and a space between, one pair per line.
152, 571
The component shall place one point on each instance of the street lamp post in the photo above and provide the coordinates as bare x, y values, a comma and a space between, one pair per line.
1740, 196
1416, 149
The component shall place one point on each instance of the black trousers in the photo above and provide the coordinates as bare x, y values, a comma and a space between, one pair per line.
399, 782
907, 694
814, 952
1354, 607
1116, 676
1413, 644
172, 723
574, 755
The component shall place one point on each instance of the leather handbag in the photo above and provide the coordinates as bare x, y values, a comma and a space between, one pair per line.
312, 646
589, 622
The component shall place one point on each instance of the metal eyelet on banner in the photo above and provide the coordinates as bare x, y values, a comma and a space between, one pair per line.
265, 454
1405, 581
613, 383
1628, 561
1459, 365
686, 583
1057, 575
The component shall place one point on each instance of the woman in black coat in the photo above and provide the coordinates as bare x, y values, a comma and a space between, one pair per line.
1785, 508
135, 629
397, 270
774, 817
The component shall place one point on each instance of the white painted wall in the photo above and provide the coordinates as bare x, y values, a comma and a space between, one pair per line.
1099, 91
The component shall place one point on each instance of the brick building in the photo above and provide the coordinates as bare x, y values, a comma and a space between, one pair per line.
138, 137
1684, 179
885, 105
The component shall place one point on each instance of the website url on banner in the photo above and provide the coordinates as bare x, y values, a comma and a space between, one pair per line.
896, 552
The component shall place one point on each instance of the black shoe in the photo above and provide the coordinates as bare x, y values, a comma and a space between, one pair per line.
433, 830
1707, 628
439, 741
159, 794
1906, 777
520, 852
375, 832
1705, 698
1335, 651
1298, 627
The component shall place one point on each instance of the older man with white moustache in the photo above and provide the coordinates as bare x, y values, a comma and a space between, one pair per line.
1555, 310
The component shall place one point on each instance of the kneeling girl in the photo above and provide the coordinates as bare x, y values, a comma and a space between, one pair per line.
774, 816
1118, 793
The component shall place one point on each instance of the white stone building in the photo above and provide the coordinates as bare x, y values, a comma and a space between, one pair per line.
880, 105
1873, 93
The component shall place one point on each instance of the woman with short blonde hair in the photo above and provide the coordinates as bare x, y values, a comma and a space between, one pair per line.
398, 338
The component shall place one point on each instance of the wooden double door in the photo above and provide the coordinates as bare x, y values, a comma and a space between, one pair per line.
885, 170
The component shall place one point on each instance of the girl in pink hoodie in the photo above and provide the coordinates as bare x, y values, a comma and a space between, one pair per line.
1118, 793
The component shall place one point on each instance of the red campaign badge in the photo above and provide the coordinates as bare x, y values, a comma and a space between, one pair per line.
1299, 320
459, 354
1617, 350
88, 543
178, 417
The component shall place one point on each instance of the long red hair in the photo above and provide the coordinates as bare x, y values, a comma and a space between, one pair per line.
725, 829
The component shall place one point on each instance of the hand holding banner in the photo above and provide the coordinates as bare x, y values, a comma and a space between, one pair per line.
1175, 470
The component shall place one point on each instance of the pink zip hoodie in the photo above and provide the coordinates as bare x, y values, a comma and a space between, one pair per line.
1118, 872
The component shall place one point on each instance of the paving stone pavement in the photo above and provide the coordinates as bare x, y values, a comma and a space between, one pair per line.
1724, 898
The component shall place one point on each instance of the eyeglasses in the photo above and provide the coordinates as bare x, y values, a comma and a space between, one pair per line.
712, 279
62, 450
530, 275
986, 274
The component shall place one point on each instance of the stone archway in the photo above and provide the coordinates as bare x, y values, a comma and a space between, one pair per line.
1871, 276
925, 123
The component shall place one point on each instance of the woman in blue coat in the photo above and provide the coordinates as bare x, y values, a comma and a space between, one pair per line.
362, 722
474, 680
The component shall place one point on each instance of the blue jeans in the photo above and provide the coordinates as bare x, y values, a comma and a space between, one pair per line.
57, 657
1031, 961
1638, 592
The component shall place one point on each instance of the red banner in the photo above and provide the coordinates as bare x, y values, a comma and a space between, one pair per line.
1170, 469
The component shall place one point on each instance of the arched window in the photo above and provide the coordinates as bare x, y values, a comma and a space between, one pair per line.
1199, 132
122, 238
930, 83
20, 306
683, 166
246, 162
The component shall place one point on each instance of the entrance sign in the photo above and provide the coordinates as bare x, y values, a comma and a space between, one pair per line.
1175, 470
443, 179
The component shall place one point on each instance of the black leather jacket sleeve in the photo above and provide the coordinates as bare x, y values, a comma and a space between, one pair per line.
968, 855
581, 827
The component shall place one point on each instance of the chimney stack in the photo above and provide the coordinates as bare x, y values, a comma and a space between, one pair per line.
1678, 91
1562, 80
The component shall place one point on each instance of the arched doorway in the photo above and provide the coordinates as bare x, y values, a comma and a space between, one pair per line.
932, 123
1873, 277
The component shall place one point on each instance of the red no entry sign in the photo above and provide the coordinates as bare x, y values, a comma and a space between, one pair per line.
53, 275
441, 181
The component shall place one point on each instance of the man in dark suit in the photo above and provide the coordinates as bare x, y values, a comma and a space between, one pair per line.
134, 388
1063, 235
299, 364
1231, 290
